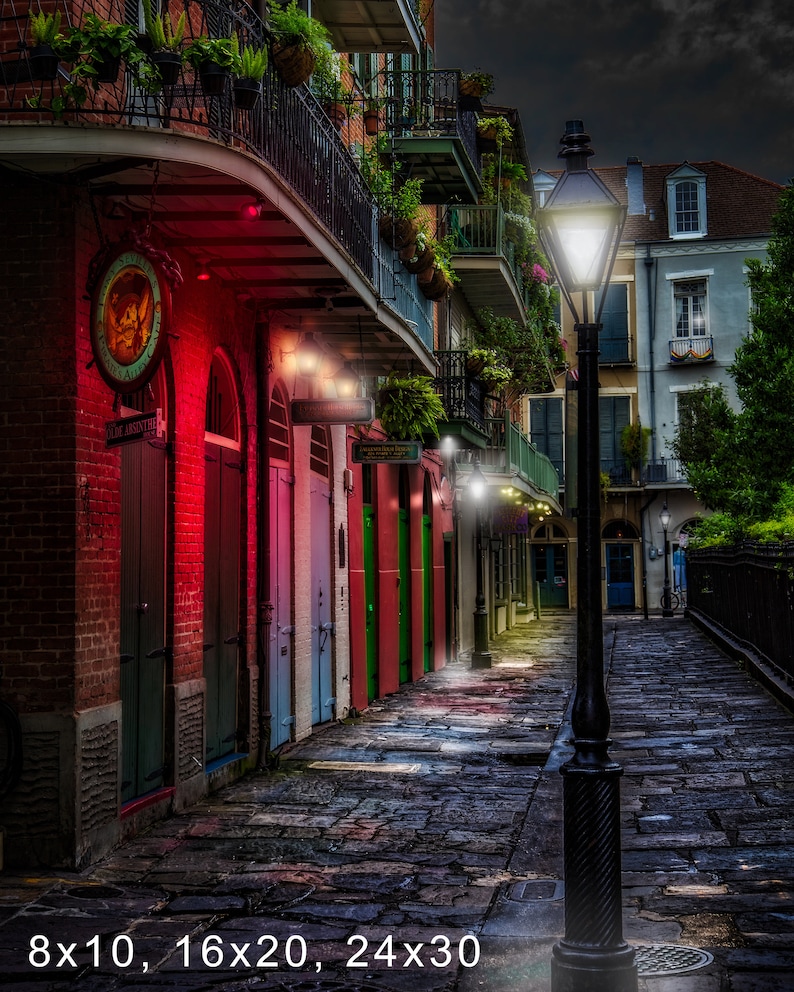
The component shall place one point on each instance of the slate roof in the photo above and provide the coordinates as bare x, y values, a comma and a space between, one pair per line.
738, 204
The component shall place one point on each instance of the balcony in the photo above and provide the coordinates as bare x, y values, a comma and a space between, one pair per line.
432, 135
485, 260
664, 471
689, 351
464, 400
370, 25
187, 162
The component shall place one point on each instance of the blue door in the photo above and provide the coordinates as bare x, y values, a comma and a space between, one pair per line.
620, 576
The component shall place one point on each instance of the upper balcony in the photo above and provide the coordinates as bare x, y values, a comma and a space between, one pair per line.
485, 260
184, 162
464, 398
370, 25
692, 351
433, 134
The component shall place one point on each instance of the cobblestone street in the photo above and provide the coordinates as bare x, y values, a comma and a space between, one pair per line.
419, 846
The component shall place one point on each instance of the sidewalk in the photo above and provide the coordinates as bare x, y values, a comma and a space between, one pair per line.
419, 847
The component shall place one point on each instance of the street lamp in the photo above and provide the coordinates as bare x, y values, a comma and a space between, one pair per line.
664, 517
480, 656
580, 229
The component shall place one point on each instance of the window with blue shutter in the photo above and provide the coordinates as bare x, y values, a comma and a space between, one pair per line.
613, 338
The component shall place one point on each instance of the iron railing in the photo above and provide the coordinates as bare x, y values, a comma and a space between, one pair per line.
461, 393
427, 104
288, 129
748, 591
480, 230
510, 452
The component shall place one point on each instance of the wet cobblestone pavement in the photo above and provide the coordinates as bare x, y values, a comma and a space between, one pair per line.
418, 847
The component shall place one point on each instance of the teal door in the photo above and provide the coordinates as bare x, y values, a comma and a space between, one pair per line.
144, 653
550, 570
221, 597
281, 629
620, 576
322, 687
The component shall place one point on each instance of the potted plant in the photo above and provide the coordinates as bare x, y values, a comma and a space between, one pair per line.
327, 85
436, 281
43, 56
372, 109
493, 132
409, 407
422, 257
212, 59
297, 42
166, 39
96, 49
249, 70
472, 87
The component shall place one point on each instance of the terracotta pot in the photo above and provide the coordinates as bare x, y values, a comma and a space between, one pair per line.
293, 62
397, 232
438, 286
337, 113
425, 276
371, 122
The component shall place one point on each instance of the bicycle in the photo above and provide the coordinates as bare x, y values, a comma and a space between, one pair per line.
675, 601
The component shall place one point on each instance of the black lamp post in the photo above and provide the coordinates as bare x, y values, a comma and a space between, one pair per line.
480, 656
580, 228
667, 609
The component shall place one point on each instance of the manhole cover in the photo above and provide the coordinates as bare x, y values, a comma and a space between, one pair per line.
668, 959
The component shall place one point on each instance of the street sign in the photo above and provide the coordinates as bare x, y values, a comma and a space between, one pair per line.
353, 411
396, 452
141, 427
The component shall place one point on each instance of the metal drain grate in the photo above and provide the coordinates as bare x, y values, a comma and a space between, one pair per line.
669, 959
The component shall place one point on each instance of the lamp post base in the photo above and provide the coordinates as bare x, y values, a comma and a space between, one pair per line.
481, 659
575, 970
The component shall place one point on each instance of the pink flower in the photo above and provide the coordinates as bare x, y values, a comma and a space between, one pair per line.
539, 274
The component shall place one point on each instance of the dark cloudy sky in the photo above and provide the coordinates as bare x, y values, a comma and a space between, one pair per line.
666, 80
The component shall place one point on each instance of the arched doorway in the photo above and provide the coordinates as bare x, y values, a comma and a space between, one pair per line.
620, 539
320, 503
145, 656
281, 629
222, 491
550, 565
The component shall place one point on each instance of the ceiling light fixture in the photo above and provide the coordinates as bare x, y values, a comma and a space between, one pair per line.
252, 210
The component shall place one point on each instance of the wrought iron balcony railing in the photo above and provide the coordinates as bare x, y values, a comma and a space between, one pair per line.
510, 452
481, 230
462, 394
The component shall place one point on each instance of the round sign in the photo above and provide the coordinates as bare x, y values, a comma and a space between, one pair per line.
129, 320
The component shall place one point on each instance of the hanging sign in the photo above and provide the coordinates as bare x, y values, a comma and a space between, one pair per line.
396, 452
130, 314
353, 411
141, 427
510, 519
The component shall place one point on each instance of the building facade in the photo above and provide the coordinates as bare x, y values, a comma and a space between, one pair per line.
675, 311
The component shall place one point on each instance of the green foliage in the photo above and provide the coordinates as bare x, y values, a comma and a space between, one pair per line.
634, 444
224, 52
95, 41
395, 198
525, 350
45, 29
251, 62
295, 27
409, 407
164, 36
503, 129
482, 79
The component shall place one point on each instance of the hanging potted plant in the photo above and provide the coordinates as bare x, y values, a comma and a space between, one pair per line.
249, 70
423, 256
473, 87
327, 86
297, 40
372, 109
166, 39
97, 48
43, 55
212, 59
436, 281
409, 407
493, 132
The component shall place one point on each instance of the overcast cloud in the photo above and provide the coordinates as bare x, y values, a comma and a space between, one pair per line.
666, 80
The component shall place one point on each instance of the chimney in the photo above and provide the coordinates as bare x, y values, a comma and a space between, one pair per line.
636, 195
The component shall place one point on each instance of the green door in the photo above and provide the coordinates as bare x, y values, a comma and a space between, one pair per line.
369, 597
550, 568
427, 591
143, 650
221, 597
404, 593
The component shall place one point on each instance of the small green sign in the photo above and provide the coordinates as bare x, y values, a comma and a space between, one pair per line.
396, 452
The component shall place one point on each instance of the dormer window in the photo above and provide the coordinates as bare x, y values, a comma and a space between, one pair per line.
686, 203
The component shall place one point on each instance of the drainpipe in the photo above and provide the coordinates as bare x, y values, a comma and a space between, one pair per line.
263, 592
649, 263
643, 510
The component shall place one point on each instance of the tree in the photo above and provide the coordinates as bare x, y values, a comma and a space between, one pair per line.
740, 463
763, 368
